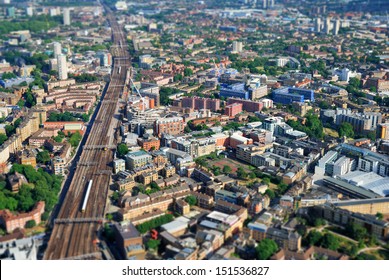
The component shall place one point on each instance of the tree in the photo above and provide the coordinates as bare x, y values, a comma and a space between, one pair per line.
330, 241
155, 186
253, 119
75, 139
191, 199
83, 78
154, 223
10, 130
266, 181
43, 157
30, 100
354, 82
266, 248
30, 224
346, 129
313, 125
115, 196
227, 169
8, 75
153, 244
319, 222
282, 188
241, 173
215, 170
178, 77
371, 135
314, 237
379, 216
3, 138
188, 72
270, 193
122, 149
58, 139
356, 231
45, 216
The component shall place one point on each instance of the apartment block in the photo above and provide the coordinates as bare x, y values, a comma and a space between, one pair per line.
172, 126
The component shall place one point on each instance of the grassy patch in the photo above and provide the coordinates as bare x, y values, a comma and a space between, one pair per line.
331, 132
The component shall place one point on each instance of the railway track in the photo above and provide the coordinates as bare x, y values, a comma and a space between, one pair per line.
71, 239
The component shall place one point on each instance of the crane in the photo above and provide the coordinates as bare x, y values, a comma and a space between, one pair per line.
140, 96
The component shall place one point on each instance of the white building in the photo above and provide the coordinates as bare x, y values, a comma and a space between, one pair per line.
30, 11
345, 74
57, 48
53, 12
62, 67
267, 103
119, 165
121, 6
237, 47
58, 165
342, 166
282, 61
66, 16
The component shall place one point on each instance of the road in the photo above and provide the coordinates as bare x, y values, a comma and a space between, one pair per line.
75, 232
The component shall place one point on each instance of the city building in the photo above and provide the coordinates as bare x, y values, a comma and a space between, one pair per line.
365, 206
12, 221
149, 143
62, 67
247, 105
383, 131
237, 47
137, 159
288, 95
119, 165
66, 16
129, 241
58, 165
57, 49
172, 126
198, 103
233, 109
235, 90
361, 122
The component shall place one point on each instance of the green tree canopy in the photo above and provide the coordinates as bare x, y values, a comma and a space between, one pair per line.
122, 149
241, 173
75, 139
270, 193
43, 157
227, 169
314, 237
188, 72
346, 129
3, 138
30, 224
330, 241
153, 244
191, 199
356, 231
266, 248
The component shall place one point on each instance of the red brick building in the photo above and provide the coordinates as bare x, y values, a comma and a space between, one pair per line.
198, 103
172, 126
248, 105
233, 109
149, 143
12, 221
